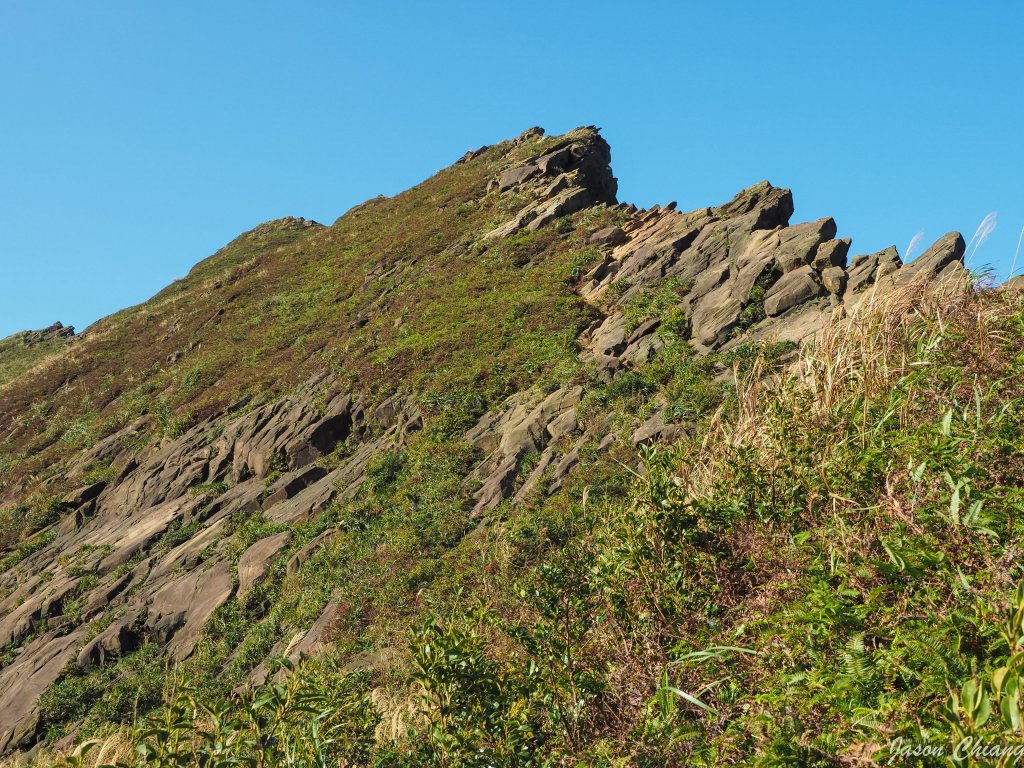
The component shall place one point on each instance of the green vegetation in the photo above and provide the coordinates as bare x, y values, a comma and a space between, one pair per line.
828, 565
753, 310
649, 305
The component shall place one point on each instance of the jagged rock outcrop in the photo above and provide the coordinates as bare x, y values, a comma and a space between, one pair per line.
56, 331
528, 422
25, 350
169, 597
574, 174
747, 271
39, 665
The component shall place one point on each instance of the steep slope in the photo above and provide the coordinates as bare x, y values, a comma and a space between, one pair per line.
321, 430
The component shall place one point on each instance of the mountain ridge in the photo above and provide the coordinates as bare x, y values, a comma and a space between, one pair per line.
172, 459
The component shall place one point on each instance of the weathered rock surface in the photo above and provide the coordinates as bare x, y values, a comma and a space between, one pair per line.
608, 236
527, 423
795, 287
654, 428
120, 637
22, 683
572, 175
1014, 284
866, 270
178, 610
749, 272
255, 561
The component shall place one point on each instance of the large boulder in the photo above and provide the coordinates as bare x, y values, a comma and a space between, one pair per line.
717, 314
798, 245
834, 280
866, 270
609, 338
946, 253
608, 236
831, 253
793, 288
120, 637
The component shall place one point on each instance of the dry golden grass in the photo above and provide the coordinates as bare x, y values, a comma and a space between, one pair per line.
111, 750
857, 356
400, 710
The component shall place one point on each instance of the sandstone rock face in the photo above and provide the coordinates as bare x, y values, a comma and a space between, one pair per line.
796, 287
169, 598
799, 244
294, 431
944, 257
749, 272
179, 609
608, 236
834, 279
23, 682
866, 270
574, 174
655, 428
255, 561
527, 424
831, 253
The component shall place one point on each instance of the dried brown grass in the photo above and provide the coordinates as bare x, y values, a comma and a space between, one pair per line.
114, 749
856, 358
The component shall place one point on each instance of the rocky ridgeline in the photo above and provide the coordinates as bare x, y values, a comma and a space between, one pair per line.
50, 333
58, 332
742, 271
745, 273
22, 351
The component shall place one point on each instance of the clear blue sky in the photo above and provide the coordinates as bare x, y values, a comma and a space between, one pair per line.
137, 138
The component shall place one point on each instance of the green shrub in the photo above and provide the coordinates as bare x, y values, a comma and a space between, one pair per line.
68, 701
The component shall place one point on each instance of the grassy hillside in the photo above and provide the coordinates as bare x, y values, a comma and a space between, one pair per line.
829, 565
400, 295
422, 306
